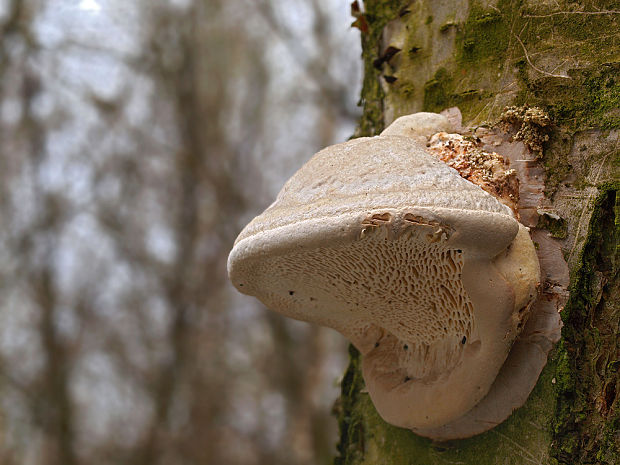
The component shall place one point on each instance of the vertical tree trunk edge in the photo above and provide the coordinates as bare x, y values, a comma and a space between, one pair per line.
575, 403
573, 414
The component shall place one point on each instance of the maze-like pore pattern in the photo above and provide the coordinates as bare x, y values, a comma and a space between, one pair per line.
408, 284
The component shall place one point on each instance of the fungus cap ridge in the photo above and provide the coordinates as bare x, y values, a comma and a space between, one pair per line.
371, 174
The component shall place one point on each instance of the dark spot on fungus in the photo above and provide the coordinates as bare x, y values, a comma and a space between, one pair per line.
464, 340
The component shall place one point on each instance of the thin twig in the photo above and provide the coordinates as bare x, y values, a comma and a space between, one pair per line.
603, 12
527, 57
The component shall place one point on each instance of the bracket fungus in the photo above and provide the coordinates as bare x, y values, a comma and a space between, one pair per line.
428, 275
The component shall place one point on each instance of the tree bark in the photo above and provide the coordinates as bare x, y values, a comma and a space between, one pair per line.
564, 58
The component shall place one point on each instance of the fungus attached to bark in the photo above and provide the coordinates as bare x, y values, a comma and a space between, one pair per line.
428, 275
419, 126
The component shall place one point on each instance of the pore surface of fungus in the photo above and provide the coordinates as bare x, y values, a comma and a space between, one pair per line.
428, 275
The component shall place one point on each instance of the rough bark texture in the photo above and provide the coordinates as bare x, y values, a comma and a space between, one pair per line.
482, 56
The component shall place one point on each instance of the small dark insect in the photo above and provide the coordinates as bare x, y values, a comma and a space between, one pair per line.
464, 340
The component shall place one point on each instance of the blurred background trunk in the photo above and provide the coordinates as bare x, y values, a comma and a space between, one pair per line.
562, 57
138, 137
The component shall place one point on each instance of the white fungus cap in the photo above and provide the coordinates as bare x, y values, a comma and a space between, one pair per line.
429, 276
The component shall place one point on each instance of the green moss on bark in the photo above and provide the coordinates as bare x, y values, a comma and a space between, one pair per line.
376, 16
514, 52
485, 37
589, 97
440, 93
481, 51
367, 440
556, 225
587, 416
351, 444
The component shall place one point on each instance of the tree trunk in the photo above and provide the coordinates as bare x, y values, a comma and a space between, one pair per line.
482, 56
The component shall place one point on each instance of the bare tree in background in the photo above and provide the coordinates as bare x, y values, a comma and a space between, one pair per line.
127, 171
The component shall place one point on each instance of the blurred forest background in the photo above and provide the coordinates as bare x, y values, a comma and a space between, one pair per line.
137, 138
